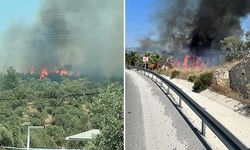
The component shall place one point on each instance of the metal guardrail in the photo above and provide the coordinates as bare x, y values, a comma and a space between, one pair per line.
227, 138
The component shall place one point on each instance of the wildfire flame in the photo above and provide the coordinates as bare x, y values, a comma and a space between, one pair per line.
186, 61
64, 72
192, 62
43, 73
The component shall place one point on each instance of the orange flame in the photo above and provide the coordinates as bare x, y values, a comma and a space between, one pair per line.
64, 72
193, 62
43, 73
185, 61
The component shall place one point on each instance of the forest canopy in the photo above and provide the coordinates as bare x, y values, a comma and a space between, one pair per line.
63, 106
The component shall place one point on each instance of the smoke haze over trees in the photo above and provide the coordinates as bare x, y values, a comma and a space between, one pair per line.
88, 35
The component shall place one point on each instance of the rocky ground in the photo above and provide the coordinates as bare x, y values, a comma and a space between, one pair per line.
239, 77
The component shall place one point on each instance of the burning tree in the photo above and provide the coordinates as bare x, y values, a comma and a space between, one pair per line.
45, 72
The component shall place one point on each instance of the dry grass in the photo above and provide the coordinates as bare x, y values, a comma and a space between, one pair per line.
48, 120
185, 72
221, 89
31, 108
228, 92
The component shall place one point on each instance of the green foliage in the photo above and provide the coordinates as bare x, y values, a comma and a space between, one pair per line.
203, 82
174, 74
192, 77
110, 122
132, 58
6, 137
31, 101
154, 59
71, 119
40, 138
234, 48
57, 133
17, 135
11, 79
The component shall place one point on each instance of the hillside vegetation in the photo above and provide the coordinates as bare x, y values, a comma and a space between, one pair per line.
61, 106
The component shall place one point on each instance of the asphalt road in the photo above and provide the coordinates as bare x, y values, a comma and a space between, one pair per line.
152, 122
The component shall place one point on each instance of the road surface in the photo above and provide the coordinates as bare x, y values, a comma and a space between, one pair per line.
152, 122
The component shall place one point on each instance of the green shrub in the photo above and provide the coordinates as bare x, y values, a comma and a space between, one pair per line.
174, 74
203, 82
192, 77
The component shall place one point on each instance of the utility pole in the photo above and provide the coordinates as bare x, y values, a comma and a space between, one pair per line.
28, 135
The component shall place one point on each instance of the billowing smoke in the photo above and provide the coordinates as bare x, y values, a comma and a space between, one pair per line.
148, 44
198, 25
84, 34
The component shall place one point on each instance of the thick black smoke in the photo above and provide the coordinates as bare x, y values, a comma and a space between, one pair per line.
199, 24
85, 34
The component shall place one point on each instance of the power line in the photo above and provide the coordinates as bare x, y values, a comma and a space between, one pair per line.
56, 15
72, 36
63, 97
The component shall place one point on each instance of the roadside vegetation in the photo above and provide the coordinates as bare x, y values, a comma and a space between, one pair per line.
191, 77
174, 74
233, 51
203, 81
135, 59
27, 100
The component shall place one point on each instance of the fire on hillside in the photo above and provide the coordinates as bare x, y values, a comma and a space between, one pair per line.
44, 72
190, 61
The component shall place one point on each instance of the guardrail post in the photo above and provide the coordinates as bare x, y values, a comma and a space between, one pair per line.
180, 102
203, 127
167, 90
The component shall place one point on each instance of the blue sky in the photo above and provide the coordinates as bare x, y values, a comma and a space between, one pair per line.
245, 23
138, 22
15, 11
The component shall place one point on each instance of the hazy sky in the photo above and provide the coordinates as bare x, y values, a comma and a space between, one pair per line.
138, 13
24, 11
86, 34
139, 20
